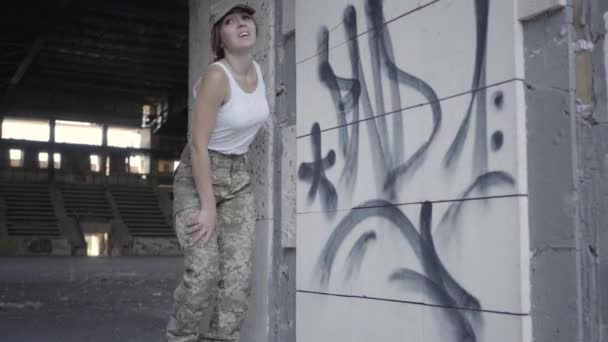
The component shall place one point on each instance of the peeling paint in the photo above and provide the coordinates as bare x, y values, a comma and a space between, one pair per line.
584, 45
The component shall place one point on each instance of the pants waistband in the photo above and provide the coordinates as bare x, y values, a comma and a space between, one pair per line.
213, 155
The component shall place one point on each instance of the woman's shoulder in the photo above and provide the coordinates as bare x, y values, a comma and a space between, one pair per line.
216, 73
214, 76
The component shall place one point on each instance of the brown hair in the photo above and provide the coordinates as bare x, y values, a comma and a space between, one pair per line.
216, 38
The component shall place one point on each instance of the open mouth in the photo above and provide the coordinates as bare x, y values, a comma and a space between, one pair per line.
244, 34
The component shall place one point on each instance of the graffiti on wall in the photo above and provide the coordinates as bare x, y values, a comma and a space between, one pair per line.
314, 172
436, 282
396, 163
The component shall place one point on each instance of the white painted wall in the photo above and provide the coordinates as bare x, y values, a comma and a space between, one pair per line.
606, 52
440, 250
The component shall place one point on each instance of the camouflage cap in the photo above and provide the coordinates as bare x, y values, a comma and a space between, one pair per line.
219, 8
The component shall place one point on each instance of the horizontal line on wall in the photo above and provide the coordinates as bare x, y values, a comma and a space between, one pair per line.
416, 106
412, 302
421, 202
367, 31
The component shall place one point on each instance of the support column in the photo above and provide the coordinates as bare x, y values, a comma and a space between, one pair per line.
4, 158
104, 149
567, 153
283, 286
51, 151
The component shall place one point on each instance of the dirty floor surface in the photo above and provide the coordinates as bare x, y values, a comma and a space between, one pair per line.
77, 299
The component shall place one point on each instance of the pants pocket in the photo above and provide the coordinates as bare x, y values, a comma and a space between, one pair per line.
184, 222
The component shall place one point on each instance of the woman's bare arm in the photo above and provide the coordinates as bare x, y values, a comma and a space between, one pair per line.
212, 92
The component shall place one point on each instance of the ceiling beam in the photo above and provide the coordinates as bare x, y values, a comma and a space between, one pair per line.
133, 26
145, 12
27, 61
44, 82
123, 28
120, 38
121, 48
169, 81
117, 57
111, 80
38, 43
93, 62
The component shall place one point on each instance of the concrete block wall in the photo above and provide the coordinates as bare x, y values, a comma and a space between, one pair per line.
412, 191
567, 148
283, 287
596, 143
593, 142
554, 269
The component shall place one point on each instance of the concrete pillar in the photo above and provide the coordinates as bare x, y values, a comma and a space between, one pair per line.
118, 165
567, 151
200, 54
30, 158
153, 165
595, 166
3, 151
104, 149
283, 293
3, 229
4, 158
257, 324
51, 159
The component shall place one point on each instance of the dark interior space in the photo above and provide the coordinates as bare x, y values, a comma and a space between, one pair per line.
93, 117
111, 52
95, 71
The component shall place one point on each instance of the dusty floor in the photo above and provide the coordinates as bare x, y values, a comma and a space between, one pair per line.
86, 299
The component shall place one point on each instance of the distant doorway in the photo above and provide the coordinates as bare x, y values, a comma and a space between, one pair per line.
97, 244
97, 237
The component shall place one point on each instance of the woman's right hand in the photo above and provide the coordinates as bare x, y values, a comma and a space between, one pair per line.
202, 229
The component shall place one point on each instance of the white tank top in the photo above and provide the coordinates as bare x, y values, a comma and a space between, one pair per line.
239, 119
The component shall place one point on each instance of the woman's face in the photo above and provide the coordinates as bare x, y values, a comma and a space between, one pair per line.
237, 32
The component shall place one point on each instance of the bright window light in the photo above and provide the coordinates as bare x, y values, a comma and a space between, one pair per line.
75, 132
146, 109
74, 123
16, 157
124, 137
36, 130
15, 154
95, 163
139, 164
57, 160
43, 160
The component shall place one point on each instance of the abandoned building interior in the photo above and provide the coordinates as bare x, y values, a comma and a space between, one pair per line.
93, 118
446, 177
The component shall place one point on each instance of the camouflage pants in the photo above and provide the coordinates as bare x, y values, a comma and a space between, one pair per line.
217, 275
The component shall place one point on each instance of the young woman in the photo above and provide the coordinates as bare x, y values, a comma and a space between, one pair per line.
213, 204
